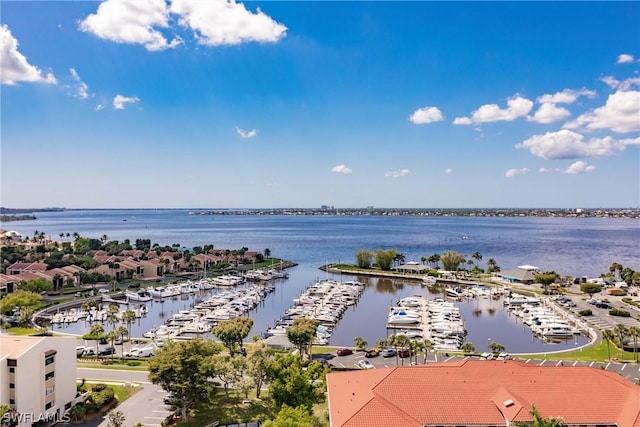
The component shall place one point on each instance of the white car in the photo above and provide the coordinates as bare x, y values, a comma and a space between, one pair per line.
365, 364
504, 356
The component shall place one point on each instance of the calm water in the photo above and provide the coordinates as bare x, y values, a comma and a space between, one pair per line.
570, 246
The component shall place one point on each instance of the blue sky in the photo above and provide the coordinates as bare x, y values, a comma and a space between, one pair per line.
209, 103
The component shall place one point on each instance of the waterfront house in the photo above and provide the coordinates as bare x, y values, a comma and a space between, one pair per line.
411, 267
524, 274
481, 393
37, 377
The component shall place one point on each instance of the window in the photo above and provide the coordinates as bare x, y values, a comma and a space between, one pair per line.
12, 401
12, 362
49, 360
67, 406
12, 370
48, 405
12, 385
49, 376
49, 391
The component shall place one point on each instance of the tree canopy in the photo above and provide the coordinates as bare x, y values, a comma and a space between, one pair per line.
294, 386
19, 299
233, 332
451, 260
181, 368
302, 333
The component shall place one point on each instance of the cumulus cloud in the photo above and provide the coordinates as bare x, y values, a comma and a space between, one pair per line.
426, 115
623, 85
624, 58
549, 113
621, 114
223, 22
579, 167
82, 89
516, 107
567, 96
462, 121
341, 169
246, 133
14, 65
119, 101
396, 174
448, 171
510, 173
131, 21
152, 23
565, 144
544, 170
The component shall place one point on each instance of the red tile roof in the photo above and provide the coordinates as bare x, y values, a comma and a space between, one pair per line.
480, 392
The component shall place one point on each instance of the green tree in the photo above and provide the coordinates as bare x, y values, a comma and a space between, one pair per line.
477, 256
608, 335
361, 344
496, 347
615, 268
294, 386
384, 258
290, 417
590, 288
545, 279
621, 332
122, 332
434, 260
233, 332
363, 258
37, 285
492, 266
19, 299
96, 333
267, 253
257, 360
468, 347
634, 332
129, 316
451, 260
302, 333
183, 368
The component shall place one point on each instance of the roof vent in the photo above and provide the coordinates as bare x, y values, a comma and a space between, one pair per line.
508, 403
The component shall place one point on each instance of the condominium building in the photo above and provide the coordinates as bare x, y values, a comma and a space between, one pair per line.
37, 377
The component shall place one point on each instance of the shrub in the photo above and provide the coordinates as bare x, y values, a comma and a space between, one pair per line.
619, 313
102, 397
585, 312
616, 292
98, 387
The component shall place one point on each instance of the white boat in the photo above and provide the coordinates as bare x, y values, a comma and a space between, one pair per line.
429, 280
557, 330
140, 295
159, 292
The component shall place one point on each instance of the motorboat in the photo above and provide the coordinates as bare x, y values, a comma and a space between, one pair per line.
159, 292
140, 295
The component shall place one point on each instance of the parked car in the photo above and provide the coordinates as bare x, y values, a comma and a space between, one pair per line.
503, 356
107, 351
486, 356
80, 350
103, 341
389, 352
603, 304
89, 351
344, 351
372, 353
404, 353
365, 364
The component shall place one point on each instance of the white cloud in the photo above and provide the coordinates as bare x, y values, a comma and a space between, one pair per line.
396, 174
99, 107
621, 85
549, 113
624, 58
14, 65
426, 115
223, 22
131, 21
579, 167
341, 169
544, 170
119, 101
462, 121
513, 172
567, 96
565, 144
516, 107
82, 89
448, 171
246, 134
621, 113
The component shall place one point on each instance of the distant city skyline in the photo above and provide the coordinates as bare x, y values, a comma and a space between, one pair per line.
187, 103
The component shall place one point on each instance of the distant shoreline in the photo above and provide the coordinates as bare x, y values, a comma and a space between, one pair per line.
627, 213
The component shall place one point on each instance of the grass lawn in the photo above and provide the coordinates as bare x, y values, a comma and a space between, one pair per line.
20, 330
124, 392
595, 353
238, 410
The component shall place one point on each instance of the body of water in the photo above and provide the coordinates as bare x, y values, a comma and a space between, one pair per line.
569, 246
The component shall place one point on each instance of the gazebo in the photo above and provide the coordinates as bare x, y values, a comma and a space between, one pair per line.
411, 267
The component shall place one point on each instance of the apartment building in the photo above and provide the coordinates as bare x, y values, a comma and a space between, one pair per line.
37, 377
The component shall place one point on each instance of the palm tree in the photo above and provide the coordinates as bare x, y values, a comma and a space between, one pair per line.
634, 332
96, 332
112, 336
538, 421
122, 332
427, 346
112, 315
496, 347
622, 332
608, 335
128, 317
477, 256
468, 347
361, 344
